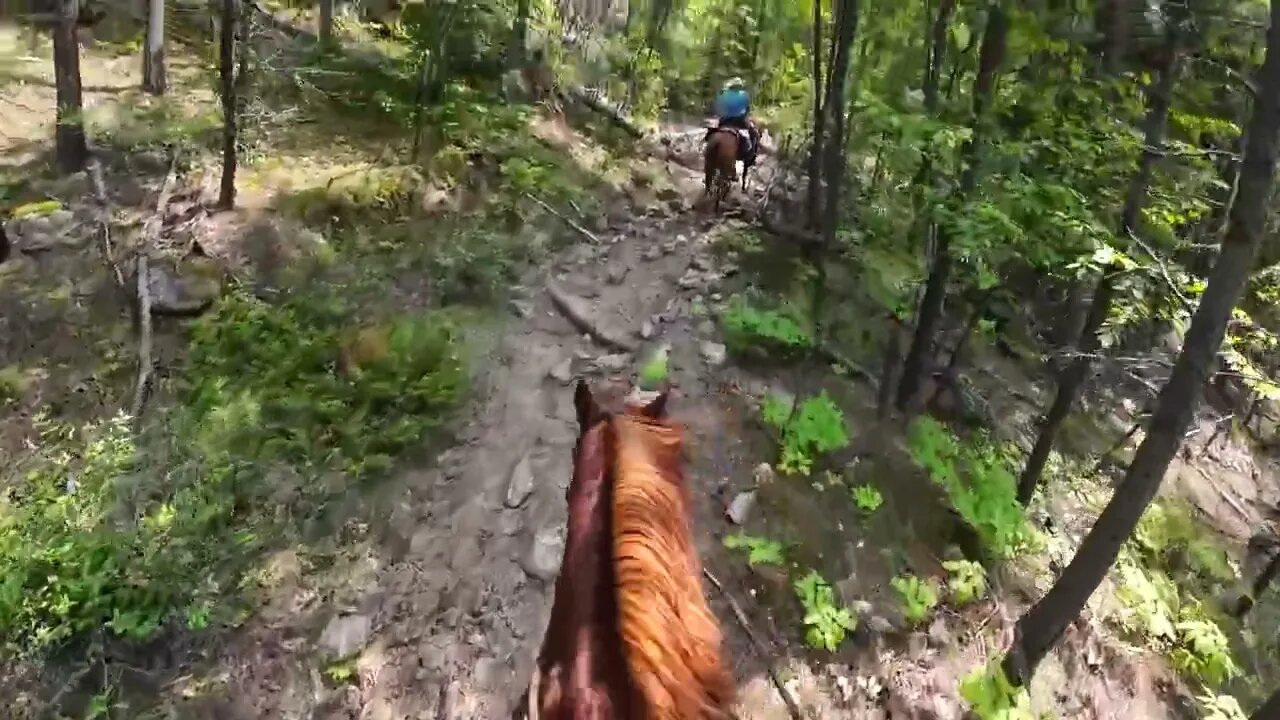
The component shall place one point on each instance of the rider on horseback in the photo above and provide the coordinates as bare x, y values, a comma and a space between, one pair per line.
733, 107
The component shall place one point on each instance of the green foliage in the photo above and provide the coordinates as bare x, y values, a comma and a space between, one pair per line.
1203, 651
826, 623
919, 597
760, 550
748, 327
35, 209
966, 581
992, 697
978, 479
272, 368
816, 428
654, 371
383, 193
1219, 707
867, 498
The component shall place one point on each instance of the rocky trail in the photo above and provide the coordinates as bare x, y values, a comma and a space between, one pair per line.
444, 608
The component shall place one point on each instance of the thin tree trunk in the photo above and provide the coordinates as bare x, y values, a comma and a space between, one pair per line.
326, 24
154, 74
1039, 629
814, 203
521, 32
1258, 586
929, 317
227, 75
71, 149
1072, 380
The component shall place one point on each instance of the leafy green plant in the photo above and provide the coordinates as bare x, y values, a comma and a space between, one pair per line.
747, 326
826, 623
35, 209
966, 581
760, 550
1203, 650
1219, 707
992, 697
867, 498
654, 371
919, 597
978, 479
816, 428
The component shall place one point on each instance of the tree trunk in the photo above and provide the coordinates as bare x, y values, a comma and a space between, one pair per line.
71, 149
521, 32
227, 77
929, 317
154, 75
326, 24
1072, 380
814, 200
1039, 629
1270, 709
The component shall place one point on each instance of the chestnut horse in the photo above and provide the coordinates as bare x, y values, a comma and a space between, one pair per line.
719, 164
631, 635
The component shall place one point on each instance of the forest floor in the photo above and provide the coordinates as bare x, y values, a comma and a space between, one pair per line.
429, 597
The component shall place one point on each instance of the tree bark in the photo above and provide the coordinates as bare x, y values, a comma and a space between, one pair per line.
929, 317
326, 24
154, 74
1039, 629
71, 148
227, 78
1072, 379
521, 32
814, 200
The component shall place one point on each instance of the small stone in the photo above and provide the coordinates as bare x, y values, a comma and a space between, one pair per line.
562, 372
647, 330
520, 484
878, 624
939, 635
521, 309
187, 288
546, 551
344, 635
740, 507
763, 474
700, 262
617, 273
616, 362
653, 252
690, 280
917, 645
713, 353
669, 247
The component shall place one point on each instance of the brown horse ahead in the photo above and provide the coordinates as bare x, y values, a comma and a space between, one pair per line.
631, 636
719, 166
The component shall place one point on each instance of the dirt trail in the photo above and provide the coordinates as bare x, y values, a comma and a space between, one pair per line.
450, 599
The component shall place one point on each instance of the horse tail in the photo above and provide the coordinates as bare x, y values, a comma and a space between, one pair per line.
670, 638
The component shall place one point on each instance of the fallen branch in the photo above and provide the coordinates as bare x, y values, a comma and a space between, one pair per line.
575, 310
613, 114
567, 221
763, 652
150, 232
103, 215
1226, 497
835, 358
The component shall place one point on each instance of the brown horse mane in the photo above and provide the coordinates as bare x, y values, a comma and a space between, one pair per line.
670, 638
630, 634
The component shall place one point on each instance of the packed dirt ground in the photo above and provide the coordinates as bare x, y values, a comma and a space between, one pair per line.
430, 596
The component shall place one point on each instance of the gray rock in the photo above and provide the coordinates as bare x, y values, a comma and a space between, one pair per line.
653, 252
345, 635
939, 634
713, 353
521, 309
690, 280
546, 551
614, 363
188, 288
466, 554
520, 484
763, 474
647, 330
741, 507
617, 273
879, 624
562, 372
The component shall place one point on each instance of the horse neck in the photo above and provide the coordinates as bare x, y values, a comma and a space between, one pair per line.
582, 643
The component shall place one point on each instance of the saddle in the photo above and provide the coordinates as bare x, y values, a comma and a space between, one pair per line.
746, 141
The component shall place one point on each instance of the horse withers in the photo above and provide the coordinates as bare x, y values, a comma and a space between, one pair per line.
630, 635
